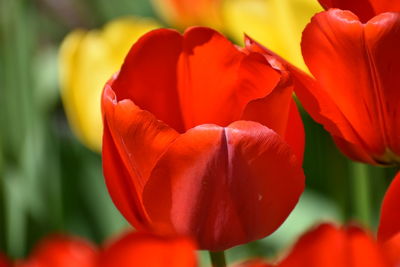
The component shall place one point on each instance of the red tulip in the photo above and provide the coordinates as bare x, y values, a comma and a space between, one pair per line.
61, 251
356, 94
364, 9
329, 246
188, 146
143, 249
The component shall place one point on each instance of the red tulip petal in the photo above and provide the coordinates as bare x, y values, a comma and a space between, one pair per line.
329, 246
271, 110
133, 141
365, 57
62, 251
143, 249
335, 37
364, 9
389, 224
224, 186
217, 80
148, 76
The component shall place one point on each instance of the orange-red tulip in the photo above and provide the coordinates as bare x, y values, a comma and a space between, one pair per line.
329, 246
144, 249
202, 138
62, 251
364, 9
356, 96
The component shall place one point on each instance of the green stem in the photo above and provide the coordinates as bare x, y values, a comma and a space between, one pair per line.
361, 193
218, 259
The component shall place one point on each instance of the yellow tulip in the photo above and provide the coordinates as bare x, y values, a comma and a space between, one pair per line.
184, 13
86, 61
277, 24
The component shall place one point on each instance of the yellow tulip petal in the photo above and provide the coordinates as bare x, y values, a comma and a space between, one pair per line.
86, 61
277, 24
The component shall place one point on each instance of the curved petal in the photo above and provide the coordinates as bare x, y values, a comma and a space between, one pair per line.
364, 9
365, 58
145, 249
224, 186
278, 111
217, 80
148, 76
329, 246
389, 224
273, 109
133, 140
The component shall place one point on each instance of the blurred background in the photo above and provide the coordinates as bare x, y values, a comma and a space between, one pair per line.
50, 181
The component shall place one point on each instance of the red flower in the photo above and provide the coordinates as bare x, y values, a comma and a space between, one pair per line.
329, 246
143, 249
364, 9
61, 251
389, 225
356, 96
175, 157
